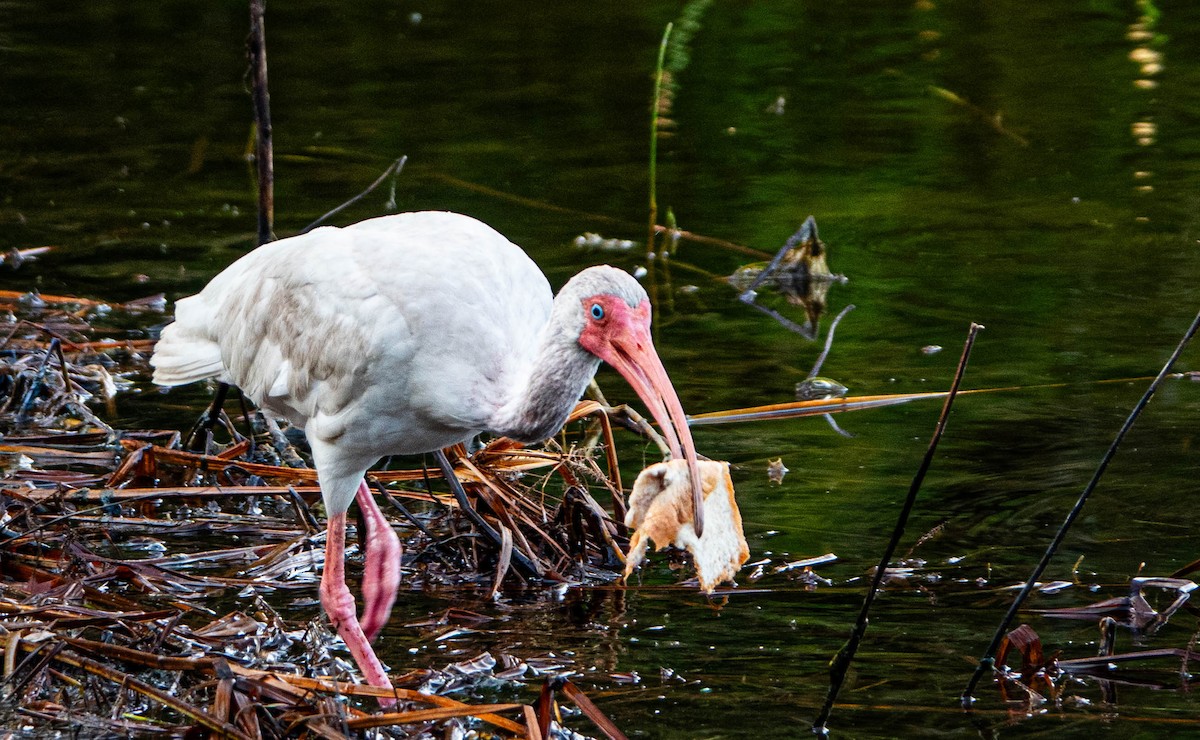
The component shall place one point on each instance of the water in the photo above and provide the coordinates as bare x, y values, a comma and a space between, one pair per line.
1030, 168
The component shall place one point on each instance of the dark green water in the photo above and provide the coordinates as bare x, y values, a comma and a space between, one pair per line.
1068, 226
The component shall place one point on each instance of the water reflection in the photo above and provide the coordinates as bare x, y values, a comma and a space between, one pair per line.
123, 149
799, 272
1148, 58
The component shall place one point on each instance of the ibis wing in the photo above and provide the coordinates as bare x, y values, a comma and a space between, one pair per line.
427, 316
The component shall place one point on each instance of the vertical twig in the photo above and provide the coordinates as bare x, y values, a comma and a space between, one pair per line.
264, 158
654, 110
988, 660
841, 662
62, 366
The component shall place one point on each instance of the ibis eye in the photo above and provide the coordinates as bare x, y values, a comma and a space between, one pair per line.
597, 311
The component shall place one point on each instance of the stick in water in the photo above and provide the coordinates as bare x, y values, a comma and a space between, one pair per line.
263, 154
989, 660
841, 662
393, 169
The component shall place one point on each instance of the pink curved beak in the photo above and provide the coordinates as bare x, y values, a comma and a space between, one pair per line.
631, 352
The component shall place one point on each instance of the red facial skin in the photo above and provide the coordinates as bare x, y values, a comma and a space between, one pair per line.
620, 336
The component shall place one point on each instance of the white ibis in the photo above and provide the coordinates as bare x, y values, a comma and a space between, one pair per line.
407, 334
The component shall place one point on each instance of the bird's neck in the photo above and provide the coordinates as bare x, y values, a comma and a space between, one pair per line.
555, 382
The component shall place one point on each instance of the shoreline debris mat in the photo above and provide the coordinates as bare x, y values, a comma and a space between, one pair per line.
118, 548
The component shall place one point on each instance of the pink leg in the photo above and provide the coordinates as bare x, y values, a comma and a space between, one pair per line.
339, 605
381, 573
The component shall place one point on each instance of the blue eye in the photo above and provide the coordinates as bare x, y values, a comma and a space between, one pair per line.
597, 311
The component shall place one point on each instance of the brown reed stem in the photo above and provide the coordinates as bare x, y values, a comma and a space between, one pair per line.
841, 662
256, 47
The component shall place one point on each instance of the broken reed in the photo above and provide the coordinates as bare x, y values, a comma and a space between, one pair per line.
988, 660
673, 57
841, 661
655, 109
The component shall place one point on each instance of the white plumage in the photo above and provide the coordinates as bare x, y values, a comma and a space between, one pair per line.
443, 307
408, 334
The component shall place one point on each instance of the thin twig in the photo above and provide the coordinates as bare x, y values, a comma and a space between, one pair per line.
62, 366
785, 322
246, 417
841, 662
302, 512
209, 418
988, 660
816, 368
395, 502
393, 169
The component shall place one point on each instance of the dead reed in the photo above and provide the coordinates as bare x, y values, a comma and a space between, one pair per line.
115, 544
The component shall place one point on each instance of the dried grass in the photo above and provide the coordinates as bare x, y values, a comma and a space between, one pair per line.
115, 544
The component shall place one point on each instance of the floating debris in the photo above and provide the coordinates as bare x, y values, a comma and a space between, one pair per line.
1043, 677
1132, 611
660, 510
14, 257
596, 243
818, 388
806, 563
799, 271
775, 471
